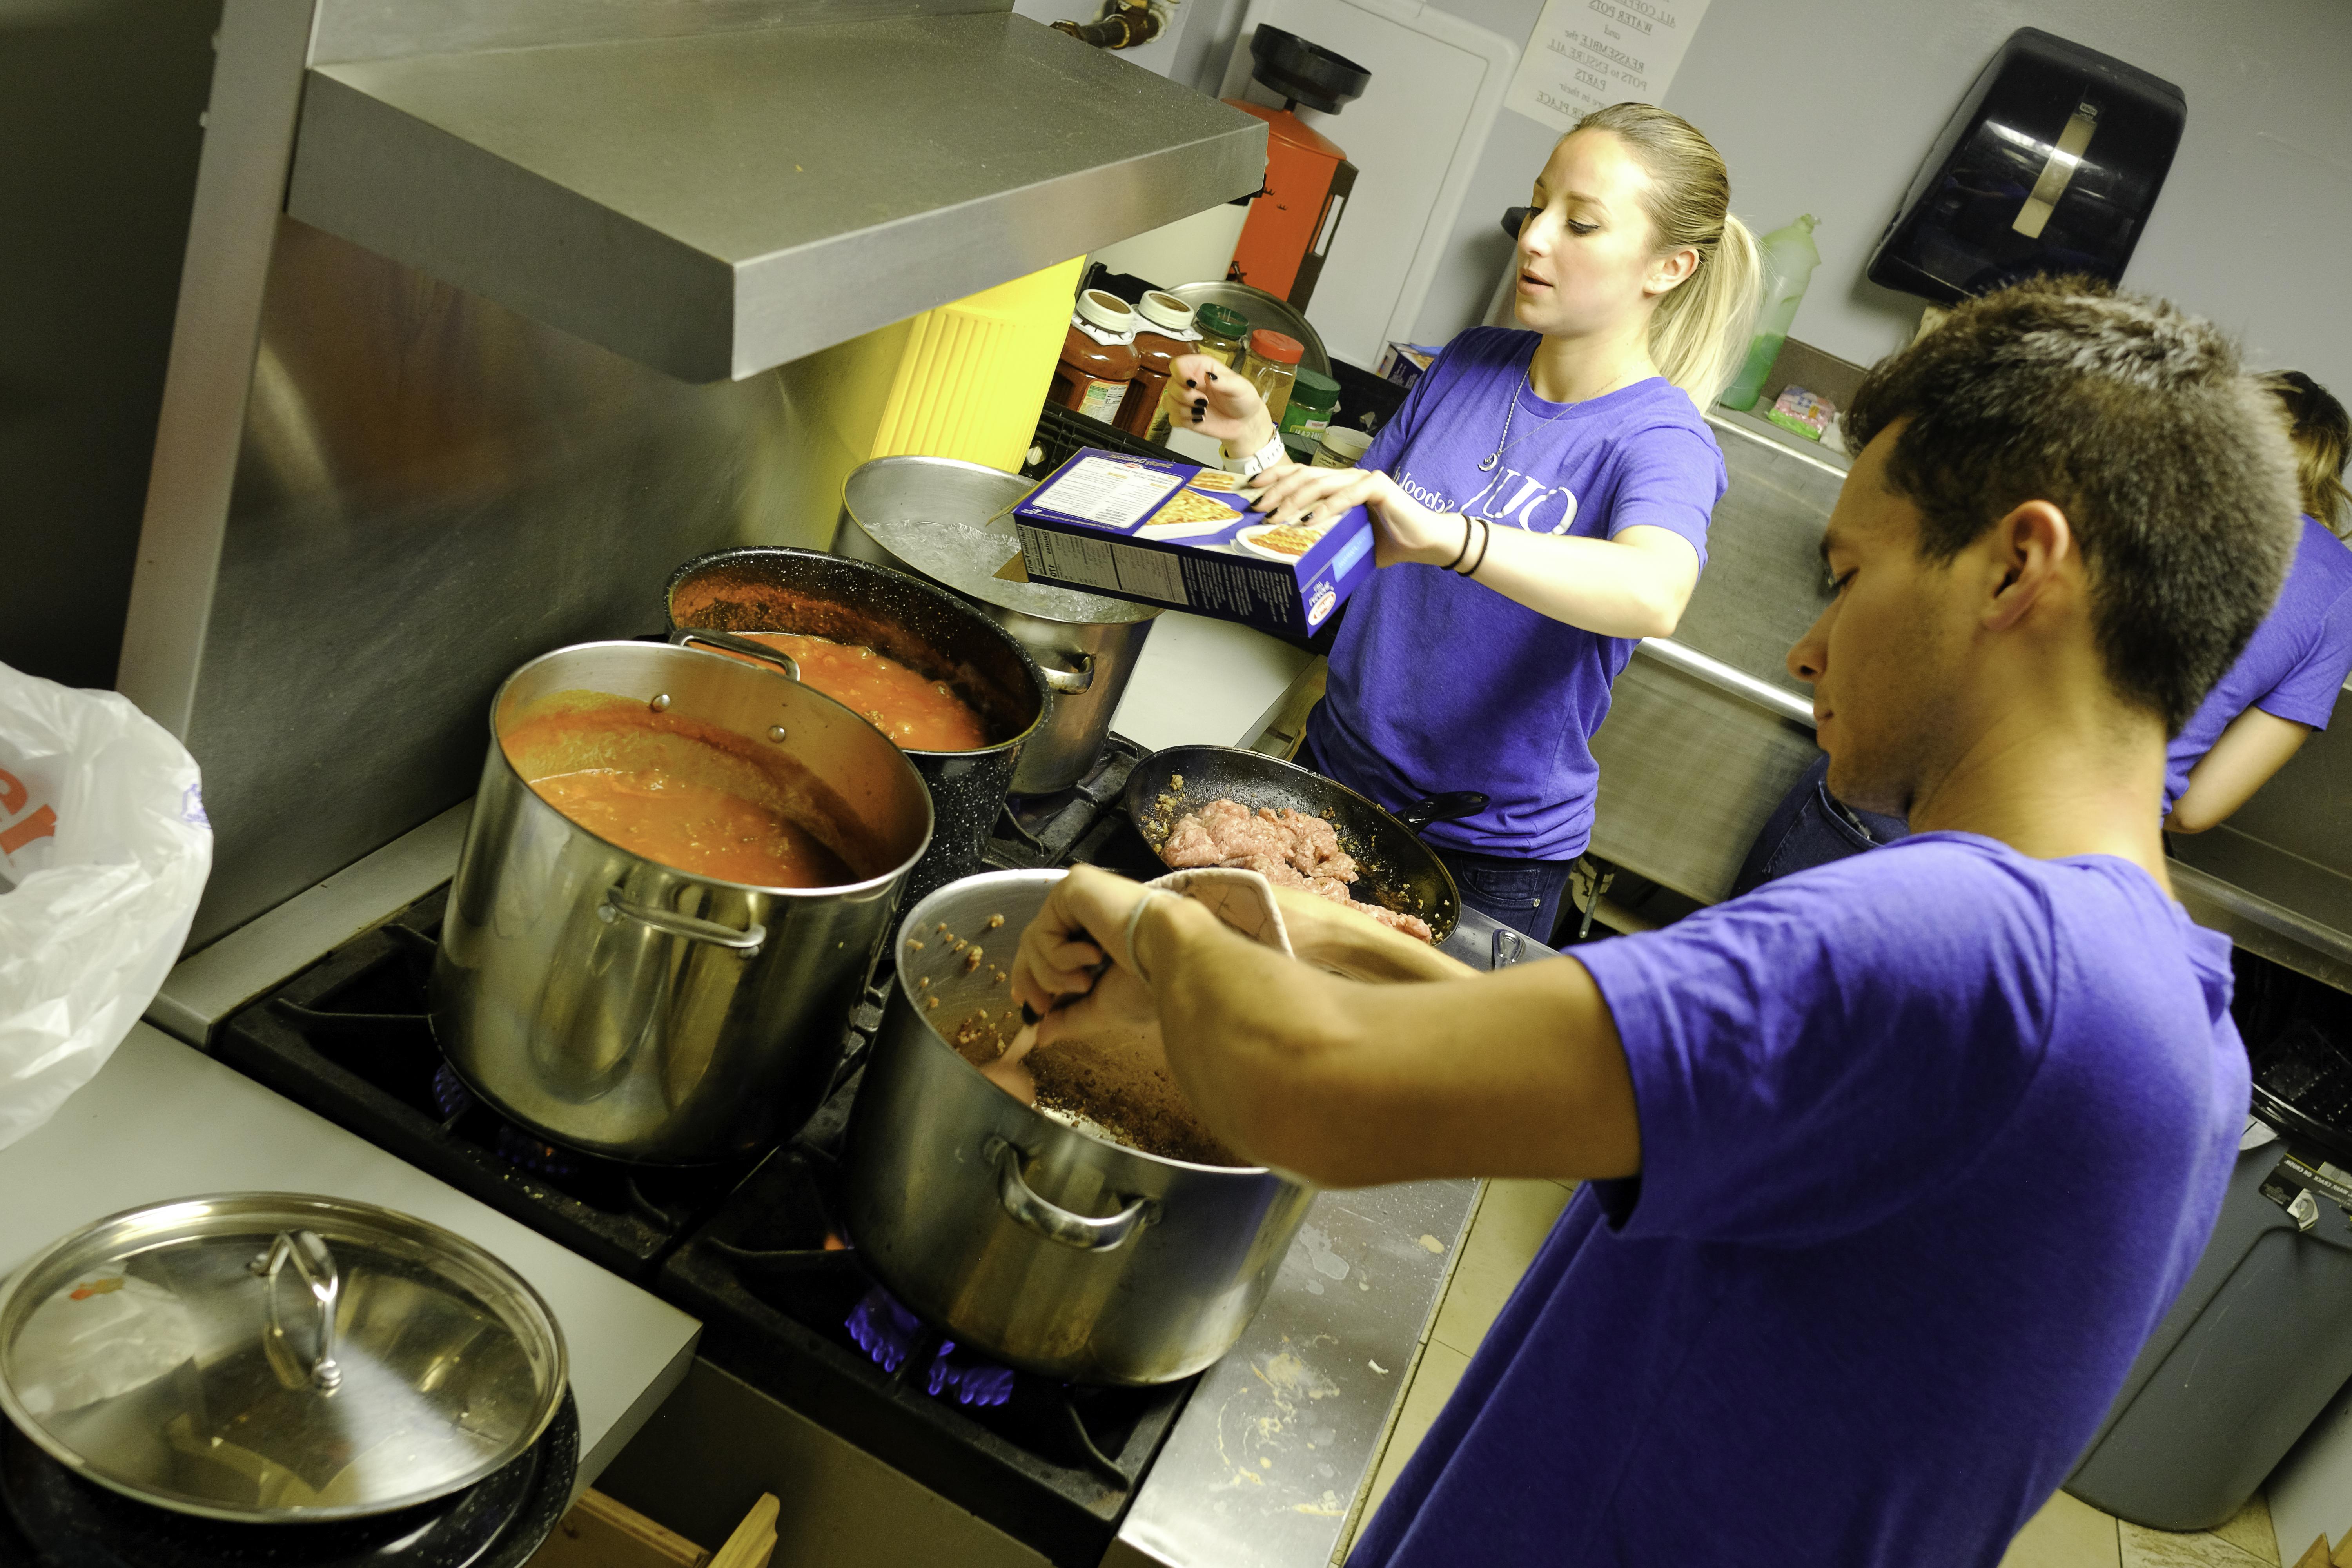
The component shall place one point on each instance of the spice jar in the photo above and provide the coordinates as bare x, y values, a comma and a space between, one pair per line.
1314, 398
1225, 332
1166, 330
1098, 357
1272, 367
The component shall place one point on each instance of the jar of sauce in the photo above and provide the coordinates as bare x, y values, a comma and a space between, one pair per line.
1272, 367
1166, 330
1098, 358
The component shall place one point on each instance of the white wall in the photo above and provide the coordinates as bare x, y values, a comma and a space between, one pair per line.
1827, 106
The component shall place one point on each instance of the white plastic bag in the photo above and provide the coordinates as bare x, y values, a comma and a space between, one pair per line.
103, 852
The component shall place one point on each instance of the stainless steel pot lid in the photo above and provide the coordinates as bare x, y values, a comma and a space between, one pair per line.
935, 514
267, 1357
1263, 312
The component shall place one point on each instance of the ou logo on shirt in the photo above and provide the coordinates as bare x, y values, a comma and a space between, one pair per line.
1529, 503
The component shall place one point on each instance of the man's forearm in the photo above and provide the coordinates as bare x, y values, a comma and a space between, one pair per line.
1515, 1074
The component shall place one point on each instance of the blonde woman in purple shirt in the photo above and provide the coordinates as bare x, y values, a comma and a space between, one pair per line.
1541, 504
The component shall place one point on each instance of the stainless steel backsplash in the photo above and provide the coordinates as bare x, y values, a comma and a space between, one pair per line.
430, 490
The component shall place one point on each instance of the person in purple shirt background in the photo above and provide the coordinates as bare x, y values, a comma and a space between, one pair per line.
2249, 725
2284, 685
1541, 503
1835, 1289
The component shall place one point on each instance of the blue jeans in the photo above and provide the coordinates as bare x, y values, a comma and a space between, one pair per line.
1813, 827
1522, 894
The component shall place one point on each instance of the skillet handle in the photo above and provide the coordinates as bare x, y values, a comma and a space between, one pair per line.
774, 659
1447, 807
1052, 1221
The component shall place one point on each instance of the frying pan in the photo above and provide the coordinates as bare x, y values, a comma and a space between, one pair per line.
1394, 868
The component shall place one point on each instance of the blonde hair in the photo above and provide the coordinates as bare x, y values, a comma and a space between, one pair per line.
2321, 434
1700, 334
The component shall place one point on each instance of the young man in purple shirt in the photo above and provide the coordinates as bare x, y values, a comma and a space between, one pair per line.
1891, 1164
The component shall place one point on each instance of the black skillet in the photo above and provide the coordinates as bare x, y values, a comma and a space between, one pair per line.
1395, 869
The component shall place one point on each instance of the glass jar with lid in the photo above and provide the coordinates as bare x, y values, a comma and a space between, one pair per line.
1166, 330
1314, 398
1098, 358
1273, 368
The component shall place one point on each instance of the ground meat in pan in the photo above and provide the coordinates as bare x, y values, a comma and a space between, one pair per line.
1287, 848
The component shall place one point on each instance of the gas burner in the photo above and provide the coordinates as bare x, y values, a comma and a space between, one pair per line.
885, 1329
972, 1380
793, 1312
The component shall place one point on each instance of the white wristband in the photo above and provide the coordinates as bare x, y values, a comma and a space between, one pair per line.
1259, 462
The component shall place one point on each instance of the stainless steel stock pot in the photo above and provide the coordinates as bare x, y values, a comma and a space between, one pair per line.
949, 521
1048, 1248
638, 1012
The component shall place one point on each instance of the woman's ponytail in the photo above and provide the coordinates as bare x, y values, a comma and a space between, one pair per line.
1700, 334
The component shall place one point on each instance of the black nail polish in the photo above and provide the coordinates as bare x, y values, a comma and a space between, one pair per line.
1190, 381
1028, 1014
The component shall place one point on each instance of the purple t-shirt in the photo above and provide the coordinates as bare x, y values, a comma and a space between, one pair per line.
1930, 1139
2294, 665
1439, 683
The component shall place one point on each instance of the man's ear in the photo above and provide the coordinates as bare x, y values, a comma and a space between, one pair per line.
2032, 546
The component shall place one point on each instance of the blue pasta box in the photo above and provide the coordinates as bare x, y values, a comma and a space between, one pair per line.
1182, 535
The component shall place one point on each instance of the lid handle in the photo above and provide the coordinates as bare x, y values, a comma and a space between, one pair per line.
316, 1265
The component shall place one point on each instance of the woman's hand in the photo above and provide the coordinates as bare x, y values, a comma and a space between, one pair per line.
1402, 529
1204, 394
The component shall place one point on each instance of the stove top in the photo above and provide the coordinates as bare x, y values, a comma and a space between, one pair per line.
749, 1248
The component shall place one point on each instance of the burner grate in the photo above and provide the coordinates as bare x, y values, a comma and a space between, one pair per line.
349, 1039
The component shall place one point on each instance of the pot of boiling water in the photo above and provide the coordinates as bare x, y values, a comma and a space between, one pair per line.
615, 1004
1044, 1245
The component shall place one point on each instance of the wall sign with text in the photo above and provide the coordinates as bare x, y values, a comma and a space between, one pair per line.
1588, 54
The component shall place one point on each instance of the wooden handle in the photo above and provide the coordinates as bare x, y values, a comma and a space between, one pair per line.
754, 1541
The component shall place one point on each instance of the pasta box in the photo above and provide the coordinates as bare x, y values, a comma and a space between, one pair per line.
1182, 535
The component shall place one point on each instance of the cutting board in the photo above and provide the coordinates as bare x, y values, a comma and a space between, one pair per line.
1415, 136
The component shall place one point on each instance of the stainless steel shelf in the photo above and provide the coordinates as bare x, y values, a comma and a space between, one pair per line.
717, 205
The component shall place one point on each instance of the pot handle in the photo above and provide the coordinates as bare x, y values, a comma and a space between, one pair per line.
307, 1251
1052, 1221
686, 637
671, 923
1070, 682
1444, 807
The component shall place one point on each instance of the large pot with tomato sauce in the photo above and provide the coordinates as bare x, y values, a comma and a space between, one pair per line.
958, 692
677, 878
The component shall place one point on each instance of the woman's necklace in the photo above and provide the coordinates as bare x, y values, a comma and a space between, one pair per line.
1503, 442
1527, 383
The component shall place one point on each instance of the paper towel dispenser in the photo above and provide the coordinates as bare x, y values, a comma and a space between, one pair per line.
2051, 164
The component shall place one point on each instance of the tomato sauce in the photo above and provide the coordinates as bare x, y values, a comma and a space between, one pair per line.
693, 828
920, 715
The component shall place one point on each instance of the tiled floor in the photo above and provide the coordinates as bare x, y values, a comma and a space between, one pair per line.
1511, 1222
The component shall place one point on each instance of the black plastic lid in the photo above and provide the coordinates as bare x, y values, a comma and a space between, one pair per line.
1304, 72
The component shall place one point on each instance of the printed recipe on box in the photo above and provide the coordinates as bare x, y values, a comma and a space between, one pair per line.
1174, 534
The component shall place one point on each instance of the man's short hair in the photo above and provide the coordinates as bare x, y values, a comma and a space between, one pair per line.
2136, 420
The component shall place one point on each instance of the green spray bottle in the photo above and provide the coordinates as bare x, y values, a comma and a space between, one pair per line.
1788, 262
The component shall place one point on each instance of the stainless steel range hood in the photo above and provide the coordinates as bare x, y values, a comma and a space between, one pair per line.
478, 298
717, 204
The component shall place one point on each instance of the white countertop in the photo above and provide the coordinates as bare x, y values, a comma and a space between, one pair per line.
1204, 682
162, 1120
